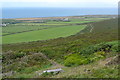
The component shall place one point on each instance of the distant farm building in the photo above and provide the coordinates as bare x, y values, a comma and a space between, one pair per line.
66, 20
2, 25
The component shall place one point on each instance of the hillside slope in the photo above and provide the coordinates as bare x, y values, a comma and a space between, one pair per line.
73, 52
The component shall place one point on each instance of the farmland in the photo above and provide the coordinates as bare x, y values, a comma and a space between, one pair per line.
24, 31
84, 47
42, 34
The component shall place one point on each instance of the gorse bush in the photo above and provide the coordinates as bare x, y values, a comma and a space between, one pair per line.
19, 55
102, 53
90, 54
75, 60
115, 48
97, 56
106, 47
94, 48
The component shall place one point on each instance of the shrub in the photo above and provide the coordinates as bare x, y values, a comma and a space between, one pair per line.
97, 55
106, 47
96, 58
115, 48
19, 55
75, 60
102, 53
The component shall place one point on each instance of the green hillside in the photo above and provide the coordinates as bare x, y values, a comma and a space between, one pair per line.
91, 53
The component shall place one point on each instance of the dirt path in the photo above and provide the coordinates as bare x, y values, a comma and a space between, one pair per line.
91, 28
55, 64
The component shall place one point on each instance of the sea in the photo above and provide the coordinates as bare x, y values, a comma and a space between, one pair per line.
55, 12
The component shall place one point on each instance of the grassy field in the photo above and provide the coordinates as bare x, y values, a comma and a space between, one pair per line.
43, 34
15, 29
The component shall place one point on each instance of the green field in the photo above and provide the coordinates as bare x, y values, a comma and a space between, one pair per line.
45, 34
21, 28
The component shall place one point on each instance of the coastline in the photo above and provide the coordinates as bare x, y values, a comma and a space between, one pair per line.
61, 17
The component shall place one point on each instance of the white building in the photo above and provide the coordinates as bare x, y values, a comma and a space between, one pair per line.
3, 25
66, 19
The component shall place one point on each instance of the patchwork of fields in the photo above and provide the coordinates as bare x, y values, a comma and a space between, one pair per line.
26, 31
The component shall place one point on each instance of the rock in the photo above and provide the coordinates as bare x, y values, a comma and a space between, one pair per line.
55, 71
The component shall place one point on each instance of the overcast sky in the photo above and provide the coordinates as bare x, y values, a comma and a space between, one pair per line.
60, 3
